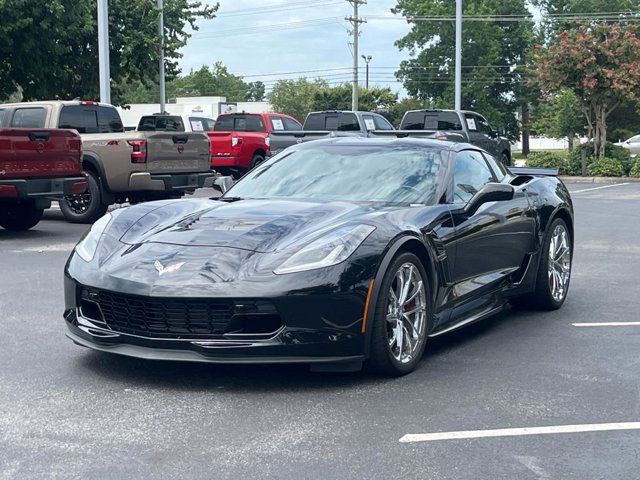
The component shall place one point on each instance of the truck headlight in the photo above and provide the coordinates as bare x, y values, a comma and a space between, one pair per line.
87, 247
331, 249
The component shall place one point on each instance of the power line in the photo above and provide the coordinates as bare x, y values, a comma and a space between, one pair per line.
276, 8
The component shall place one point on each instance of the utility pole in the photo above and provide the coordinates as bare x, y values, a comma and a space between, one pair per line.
355, 20
367, 59
458, 81
103, 51
163, 93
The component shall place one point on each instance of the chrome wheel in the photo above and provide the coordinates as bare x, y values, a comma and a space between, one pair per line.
559, 268
406, 313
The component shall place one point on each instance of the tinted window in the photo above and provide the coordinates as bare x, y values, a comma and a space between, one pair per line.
349, 173
169, 124
291, 124
349, 123
471, 174
382, 123
240, 123
483, 125
82, 119
315, 121
90, 119
29, 118
147, 124
431, 121
224, 123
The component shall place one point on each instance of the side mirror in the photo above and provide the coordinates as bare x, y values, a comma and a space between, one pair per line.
222, 184
491, 192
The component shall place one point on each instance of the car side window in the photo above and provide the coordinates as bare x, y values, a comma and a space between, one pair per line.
382, 123
2, 115
483, 125
349, 123
33, 117
498, 168
369, 123
291, 124
471, 174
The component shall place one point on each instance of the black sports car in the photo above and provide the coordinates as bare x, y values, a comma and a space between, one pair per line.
333, 253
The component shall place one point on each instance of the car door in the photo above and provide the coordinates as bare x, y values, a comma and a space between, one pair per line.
480, 132
492, 243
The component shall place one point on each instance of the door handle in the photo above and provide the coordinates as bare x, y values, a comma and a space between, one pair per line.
180, 139
39, 136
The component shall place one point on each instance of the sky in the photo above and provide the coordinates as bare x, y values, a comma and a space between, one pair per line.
267, 39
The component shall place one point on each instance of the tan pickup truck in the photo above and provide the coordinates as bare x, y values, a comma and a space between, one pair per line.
120, 166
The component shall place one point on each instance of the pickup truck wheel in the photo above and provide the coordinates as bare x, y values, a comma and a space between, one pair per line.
256, 160
20, 217
86, 207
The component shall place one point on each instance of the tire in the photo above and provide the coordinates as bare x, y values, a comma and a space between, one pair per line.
20, 217
86, 207
385, 356
256, 160
546, 296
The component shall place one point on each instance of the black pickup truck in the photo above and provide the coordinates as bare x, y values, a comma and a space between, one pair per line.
321, 124
459, 126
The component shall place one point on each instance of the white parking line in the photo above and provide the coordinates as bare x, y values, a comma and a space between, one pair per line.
511, 432
607, 324
601, 187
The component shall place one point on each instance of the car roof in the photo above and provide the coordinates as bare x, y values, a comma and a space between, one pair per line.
53, 103
351, 141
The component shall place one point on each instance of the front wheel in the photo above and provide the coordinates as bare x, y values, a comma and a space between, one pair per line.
20, 217
401, 319
86, 207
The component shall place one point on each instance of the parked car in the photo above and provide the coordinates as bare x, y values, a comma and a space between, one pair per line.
37, 166
459, 126
343, 251
120, 166
632, 144
166, 122
321, 125
240, 141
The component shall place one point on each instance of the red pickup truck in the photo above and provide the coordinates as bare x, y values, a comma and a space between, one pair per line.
36, 166
240, 141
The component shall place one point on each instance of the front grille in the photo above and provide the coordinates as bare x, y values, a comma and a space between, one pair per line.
161, 317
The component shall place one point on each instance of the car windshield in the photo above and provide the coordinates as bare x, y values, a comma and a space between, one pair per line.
395, 174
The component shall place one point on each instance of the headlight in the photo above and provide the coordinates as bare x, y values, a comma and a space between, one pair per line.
331, 249
89, 244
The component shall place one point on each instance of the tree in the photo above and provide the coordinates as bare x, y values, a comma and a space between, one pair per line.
59, 38
600, 64
339, 98
295, 97
208, 82
561, 117
492, 51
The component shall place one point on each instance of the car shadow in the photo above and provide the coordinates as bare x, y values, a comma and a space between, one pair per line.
23, 235
189, 376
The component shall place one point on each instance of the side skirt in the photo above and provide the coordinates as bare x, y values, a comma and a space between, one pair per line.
468, 321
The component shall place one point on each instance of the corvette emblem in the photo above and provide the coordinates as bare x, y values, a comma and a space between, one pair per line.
174, 267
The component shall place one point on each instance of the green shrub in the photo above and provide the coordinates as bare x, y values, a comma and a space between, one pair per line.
611, 151
560, 160
605, 167
635, 169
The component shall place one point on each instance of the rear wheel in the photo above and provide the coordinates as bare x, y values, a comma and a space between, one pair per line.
86, 207
256, 160
20, 217
401, 318
554, 272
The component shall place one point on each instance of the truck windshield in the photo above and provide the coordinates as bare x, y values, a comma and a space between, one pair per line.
333, 121
431, 121
161, 123
390, 174
239, 123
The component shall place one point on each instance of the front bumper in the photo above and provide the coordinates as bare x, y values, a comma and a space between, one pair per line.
144, 181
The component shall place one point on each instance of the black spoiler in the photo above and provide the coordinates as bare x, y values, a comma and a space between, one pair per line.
533, 171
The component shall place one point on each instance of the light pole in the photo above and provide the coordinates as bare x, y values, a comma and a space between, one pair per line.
163, 93
103, 51
367, 59
458, 81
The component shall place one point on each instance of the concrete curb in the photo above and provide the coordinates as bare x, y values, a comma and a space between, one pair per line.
570, 179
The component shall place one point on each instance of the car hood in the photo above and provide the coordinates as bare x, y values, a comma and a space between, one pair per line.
255, 225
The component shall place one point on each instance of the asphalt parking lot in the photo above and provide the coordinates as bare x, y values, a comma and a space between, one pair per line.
67, 412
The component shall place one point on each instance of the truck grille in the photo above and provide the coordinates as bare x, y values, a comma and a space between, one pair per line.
157, 317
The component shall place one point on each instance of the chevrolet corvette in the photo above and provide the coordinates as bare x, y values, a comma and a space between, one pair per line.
336, 253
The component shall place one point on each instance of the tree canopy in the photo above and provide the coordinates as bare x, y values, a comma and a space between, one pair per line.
491, 52
49, 47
